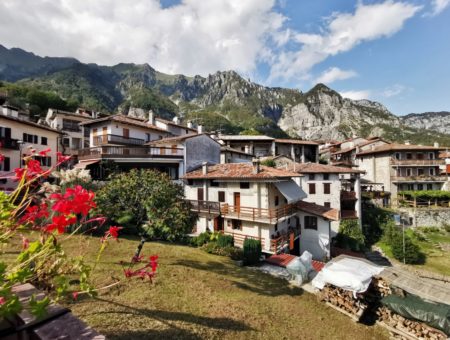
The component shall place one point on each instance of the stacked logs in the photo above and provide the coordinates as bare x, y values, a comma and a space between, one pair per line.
344, 301
407, 328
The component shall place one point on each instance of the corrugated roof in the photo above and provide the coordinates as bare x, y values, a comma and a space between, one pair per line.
399, 147
245, 137
240, 171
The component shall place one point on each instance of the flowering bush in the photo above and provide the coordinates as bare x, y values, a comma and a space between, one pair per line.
47, 211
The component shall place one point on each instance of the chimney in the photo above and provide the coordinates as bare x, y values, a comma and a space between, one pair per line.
256, 166
436, 144
407, 142
151, 117
200, 128
205, 168
189, 125
247, 150
176, 120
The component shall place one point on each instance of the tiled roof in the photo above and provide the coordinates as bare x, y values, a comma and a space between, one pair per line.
240, 171
319, 210
245, 137
368, 142
400, 147
295, 141
126, 120
169, 122
174, 139
27, 122
317, 168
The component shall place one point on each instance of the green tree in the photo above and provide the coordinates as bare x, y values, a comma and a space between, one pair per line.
350, 235
146, 200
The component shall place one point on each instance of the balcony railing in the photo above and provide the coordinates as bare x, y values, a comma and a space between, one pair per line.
109, 151
419, 178
240, 238
257, 214
205, 207
417, 162
116, 139
348, 195
277, 244
9, 143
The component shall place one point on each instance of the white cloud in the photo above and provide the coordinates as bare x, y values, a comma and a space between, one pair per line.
343, 31
193, 37
393, 90
356, 95
333, 74
438, 6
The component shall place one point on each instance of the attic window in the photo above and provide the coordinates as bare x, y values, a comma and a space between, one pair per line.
244, 185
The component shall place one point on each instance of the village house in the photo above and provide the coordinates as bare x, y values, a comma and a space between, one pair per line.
330, 186
248, 200
68, 123
17, 137
402, 167
263, 146
230, 155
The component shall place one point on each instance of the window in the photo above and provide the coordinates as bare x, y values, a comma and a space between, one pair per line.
71, 125
312, 188
86, 131
397, 155
326, 188
326, 177
236, 224
408, 172
277, 201
409, 155
420, 172
420, 156
5, 166
429, 186
44, 160
213, 183
327, 204
431, 172
410, 187
5, 132
311, 222
44, 141
311, 177
27, 138
419, 186
147, 137
221, 196
431, 155
190, 182
276, 227
244, 185
66, 142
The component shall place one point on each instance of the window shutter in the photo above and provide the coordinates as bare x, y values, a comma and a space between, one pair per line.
6, 164
49, 161
35, 137
8, 133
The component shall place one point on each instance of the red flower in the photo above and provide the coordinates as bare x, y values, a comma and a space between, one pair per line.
75, 295
44, 152
25, 243
114, 232
2, 158
2, 300
75, 201
20, 172
60, 223
61, 158
35, 212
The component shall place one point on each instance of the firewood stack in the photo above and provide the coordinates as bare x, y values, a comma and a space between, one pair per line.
344, 300
408, 329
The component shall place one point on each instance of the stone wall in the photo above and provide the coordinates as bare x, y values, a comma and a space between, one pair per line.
427, 217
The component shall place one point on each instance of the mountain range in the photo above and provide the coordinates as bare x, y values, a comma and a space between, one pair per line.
223, 101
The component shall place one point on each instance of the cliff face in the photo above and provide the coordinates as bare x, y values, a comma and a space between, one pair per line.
222, 101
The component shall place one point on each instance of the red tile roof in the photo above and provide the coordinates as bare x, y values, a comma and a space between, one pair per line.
282, 260
125, 120
319, 210
400, 147
240, 171
317, 168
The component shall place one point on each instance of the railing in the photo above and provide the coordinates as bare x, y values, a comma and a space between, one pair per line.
205, 206
348, 195
348, 214
277, 244
255, 214
9, 143
105, 139
424, 178
240, 238
418, 162
108, 151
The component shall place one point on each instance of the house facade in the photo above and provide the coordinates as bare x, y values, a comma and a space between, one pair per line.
344, 153
248, 200
400, 167
17, 138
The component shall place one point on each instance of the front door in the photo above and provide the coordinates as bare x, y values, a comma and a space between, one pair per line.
237, 202
218, 223
200, 194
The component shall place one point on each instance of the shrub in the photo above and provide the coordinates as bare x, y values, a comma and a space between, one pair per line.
447, 227
350, 235
210, 247
146, 201
225, 241
373, 220
236, 254
269, 162
203, 238
251, 251
412, 255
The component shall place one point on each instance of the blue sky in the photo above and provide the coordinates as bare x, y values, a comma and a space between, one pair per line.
392, 51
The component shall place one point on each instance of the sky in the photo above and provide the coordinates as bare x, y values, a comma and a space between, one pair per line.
394, 52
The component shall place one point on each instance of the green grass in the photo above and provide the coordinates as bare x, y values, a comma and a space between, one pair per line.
202, 296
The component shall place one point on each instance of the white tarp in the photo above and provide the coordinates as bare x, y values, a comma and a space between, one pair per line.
348, 273
290, 190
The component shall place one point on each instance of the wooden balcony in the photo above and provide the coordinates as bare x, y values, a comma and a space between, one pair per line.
239, 238
348, 195
348, 214
117, 139
109, 151
419, 178
417, 162
206, 207
277, 244
9, 143
258, 214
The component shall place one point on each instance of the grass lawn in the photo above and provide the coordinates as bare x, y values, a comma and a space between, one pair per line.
437, 260
201, 296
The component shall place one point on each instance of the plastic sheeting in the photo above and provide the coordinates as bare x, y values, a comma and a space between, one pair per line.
434, 314
347, 273
300, 267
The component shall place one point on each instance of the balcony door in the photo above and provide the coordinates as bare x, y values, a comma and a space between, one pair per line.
126, 133
105, 135
200, 194
237, 201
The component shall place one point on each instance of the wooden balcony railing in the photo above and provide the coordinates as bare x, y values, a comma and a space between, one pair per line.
277, 244
109, 151
239, 238
257, 214
205, 206
348, 195
418, 162
419, 178
117, 139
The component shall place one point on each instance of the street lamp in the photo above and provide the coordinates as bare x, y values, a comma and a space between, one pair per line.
20, 142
